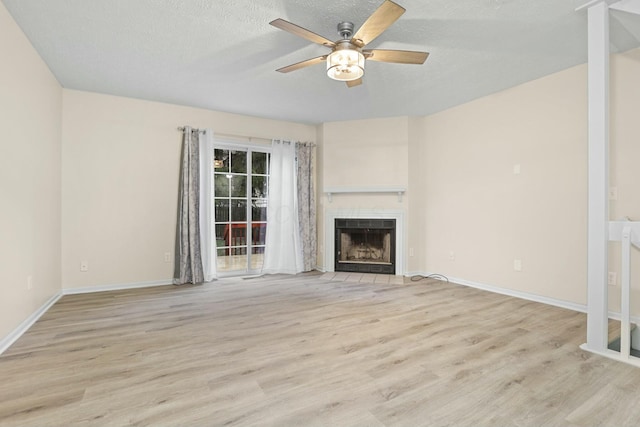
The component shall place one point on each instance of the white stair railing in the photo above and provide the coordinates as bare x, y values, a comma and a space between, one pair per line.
628, 234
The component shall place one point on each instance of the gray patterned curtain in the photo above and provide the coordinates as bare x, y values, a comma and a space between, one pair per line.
306, 205
188, 262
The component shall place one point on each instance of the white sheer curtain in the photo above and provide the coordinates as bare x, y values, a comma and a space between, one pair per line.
207, 230
283, 250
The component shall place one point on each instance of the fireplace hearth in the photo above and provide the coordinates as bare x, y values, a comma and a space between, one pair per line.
365, 245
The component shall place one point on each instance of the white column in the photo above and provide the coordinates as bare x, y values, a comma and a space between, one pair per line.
598, 50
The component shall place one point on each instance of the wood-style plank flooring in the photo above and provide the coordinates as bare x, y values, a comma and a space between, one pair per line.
307, 351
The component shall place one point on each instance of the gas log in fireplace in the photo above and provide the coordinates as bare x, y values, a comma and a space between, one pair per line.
365, 245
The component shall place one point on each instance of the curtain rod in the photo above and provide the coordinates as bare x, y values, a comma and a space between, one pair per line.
230, 135
181, 129
248, 138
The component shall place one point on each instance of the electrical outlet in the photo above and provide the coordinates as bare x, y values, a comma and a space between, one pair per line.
29, 283
84, 266
167, 257
613, 193
452, 256
612, 278
516, 169
410, 251
517, 265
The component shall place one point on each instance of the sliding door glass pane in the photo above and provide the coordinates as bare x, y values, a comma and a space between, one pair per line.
238, 162
221, 183
222, 235
258, 233
238, 185
241, 179
221, 161
239, 210
259, 186
221, 212
259, 163
259, 210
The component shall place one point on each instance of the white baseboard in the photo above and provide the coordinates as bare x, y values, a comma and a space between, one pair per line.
116, 287
512, 293
13, 336
581, 308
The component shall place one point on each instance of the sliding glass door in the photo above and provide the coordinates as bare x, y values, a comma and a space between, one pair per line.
241, 182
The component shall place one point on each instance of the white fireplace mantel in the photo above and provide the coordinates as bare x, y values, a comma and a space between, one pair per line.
329, 232
337, 190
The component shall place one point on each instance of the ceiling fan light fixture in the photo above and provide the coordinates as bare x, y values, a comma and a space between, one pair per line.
345, 65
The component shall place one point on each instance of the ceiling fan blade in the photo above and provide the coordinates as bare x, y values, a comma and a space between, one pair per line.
302, 64
301, 32
379, 21
352, 83
396, 56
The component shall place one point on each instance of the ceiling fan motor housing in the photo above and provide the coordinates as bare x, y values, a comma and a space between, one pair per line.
345, 29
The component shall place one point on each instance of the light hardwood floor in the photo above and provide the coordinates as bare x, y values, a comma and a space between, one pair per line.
307, 351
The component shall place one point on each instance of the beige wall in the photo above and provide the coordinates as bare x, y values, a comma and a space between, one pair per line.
416, 195
120, 161
486, 215
30, 117
366, 153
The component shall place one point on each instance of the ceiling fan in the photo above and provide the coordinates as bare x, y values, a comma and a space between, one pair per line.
347, 57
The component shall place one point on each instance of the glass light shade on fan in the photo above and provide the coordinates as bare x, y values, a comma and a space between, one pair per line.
345, 65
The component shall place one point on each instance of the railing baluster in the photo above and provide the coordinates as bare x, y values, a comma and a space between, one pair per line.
625, 321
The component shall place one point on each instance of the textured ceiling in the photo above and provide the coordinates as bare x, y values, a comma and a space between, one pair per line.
222, 54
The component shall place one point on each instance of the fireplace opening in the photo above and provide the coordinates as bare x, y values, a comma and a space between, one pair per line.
365, 245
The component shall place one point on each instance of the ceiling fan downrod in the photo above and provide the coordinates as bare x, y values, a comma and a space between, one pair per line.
345, 29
